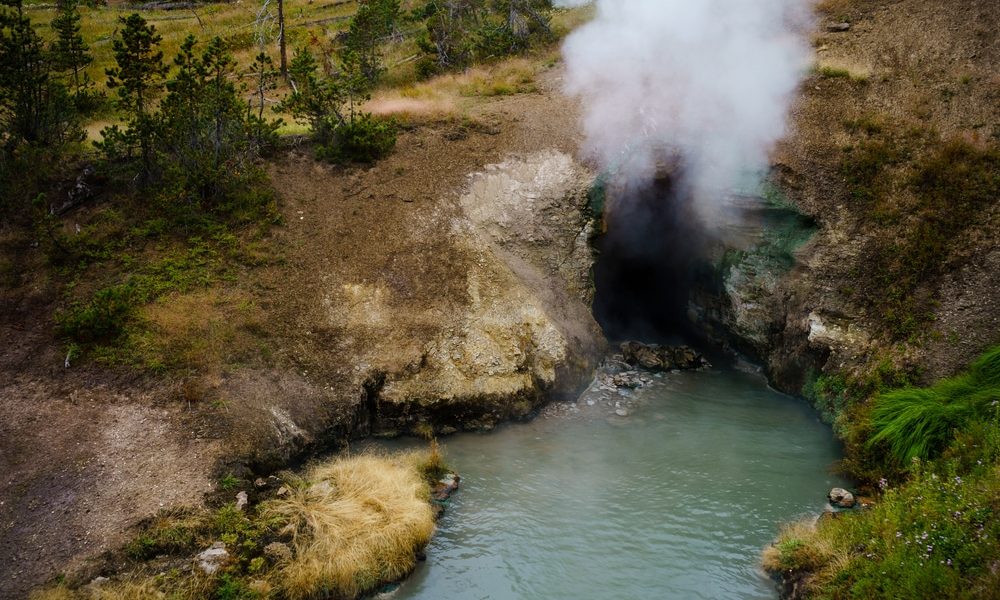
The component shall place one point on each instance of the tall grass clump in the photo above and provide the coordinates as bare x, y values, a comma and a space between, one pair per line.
357, 523
919, 422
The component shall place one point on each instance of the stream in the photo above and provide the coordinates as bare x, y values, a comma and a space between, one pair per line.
675, 499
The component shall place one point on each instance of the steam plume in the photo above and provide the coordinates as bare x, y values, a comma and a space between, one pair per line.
705, 82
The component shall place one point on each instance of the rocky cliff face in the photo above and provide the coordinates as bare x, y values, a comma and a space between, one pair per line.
893, 153
525, 332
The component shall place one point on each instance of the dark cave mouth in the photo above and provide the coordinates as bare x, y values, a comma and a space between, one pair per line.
648, 260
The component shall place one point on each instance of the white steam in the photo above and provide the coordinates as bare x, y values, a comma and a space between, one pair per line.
705, 82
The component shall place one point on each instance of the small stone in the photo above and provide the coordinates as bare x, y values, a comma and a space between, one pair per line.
841, 498
260, 482
212, 559
621, 412
447, 486
322, 488
838, 27
277, 552
282, 491
242, 500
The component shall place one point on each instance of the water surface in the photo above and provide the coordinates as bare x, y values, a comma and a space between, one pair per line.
674, 500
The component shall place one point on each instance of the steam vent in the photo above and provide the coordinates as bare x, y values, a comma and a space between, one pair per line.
462, 299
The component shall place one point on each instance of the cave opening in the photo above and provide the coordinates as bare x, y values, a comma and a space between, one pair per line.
648, 259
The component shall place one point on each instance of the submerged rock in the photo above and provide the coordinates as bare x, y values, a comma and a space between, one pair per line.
662, 358
445, 487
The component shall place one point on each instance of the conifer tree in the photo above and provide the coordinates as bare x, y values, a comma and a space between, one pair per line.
374, 20
137, 77
34, 107
70, 52
263, 73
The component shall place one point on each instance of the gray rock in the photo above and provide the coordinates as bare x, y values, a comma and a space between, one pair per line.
841, 498
661, 358
276, 552
838, 27
242, 500
621, 412
213, 558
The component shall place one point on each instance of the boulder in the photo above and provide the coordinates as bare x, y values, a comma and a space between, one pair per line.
841, 498
661, 358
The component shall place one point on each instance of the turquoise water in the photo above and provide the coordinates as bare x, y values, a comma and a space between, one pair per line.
673, 500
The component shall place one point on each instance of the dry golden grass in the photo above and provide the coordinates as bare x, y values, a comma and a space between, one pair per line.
133, 589
355, 523
53, 593
451, 95
566, 20
204, 329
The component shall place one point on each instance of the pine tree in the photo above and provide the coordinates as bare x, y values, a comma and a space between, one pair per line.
206, 141
264, 133
34, 107
138, 78
263, 73
374, 20
69, 50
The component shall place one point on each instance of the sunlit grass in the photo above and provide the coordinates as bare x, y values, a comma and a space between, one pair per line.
358, 522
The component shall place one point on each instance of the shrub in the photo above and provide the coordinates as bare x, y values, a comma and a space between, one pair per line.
935, 535
364, 139
102, 319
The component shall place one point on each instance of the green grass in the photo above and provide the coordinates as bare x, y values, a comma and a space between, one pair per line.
934, 531
229, 482
837, 72
917, 423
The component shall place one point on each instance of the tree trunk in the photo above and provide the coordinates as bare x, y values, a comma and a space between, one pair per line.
281, 39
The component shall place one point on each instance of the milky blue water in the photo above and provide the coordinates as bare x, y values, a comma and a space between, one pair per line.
674, 500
